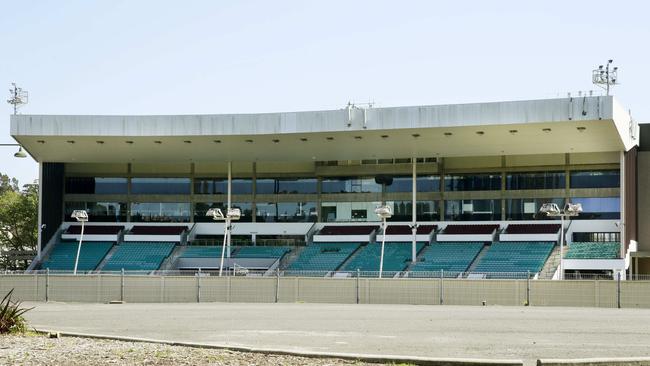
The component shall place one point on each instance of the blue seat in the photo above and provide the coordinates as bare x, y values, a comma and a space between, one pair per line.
139, 256
451, 258
63, 254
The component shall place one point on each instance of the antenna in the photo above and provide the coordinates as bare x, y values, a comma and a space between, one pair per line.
605, 76
17, 97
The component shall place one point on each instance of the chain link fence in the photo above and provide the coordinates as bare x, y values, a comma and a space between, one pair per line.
350, 287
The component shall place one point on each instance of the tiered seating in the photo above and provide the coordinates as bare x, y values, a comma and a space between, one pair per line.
469, 229
63, 255
348, 230
260, 252
594, 250
532, 229
201, 251
452, 258
139, 256
94, 230
397, 256
406, 230
157, 230
515, 257
323, 256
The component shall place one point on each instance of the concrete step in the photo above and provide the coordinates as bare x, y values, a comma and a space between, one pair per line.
478, 258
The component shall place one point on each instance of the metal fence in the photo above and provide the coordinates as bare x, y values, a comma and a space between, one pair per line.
206, 287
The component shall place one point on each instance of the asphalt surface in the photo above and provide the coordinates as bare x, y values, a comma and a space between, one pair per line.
493, 332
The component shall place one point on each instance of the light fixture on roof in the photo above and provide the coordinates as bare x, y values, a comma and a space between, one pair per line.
20, 153
448, 133
384, 136
553, 210
415, 135
384, 212
82, 217
158, 142
249, 141
70, 141
329, 138
187, 141
303, 139
604, 77
99, 142
275, 141
129, 142
358, 137
217, 215
513, 131
480, 132
581, 128
546, 129
217, 141
40, 141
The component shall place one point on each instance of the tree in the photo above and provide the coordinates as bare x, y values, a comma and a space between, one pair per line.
18, 221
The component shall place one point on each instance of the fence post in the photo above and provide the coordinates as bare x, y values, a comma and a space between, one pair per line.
122, 285
528, 289
47, 285
618, 290
358, 289
277, 284
442, 275
198, 286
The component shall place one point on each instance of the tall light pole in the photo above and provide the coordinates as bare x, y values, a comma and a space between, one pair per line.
605, 76
384, 212
81, 216
570, 210
231, 214
17, 97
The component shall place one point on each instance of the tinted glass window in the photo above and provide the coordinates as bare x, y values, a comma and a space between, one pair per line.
536, 180
349, 211
201, 208
220, 186
350, 185
289, 185
596, 179
160, 185
473, 210
95, 185
528, 208
424, 210
98, 211
286, 212
160, 212
598, 207
474, 182
429, 183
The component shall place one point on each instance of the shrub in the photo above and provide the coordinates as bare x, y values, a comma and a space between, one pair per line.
11, 315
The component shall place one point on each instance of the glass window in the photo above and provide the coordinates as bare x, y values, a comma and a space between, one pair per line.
427, 183
350, 185
95, 185
473, 210
528, 208
286, 185
598, 207
349, 211
160, 185
220, 186
160, 212
286, 212
596, 179
473, 182
424, 210
98, 211
536, 180
201, 208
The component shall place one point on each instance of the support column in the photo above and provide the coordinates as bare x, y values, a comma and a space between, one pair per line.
228, 208
40, 212
414, 228
622, 194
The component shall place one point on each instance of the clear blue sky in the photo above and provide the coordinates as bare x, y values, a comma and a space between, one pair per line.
186, 57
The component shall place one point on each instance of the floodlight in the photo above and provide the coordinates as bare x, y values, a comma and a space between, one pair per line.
384, 212
550, 209
215, 213
80, 215
573, 209
21, 153
234, 214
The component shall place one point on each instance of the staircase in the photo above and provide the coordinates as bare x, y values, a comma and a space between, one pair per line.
551, 264
351, 257
106, 258
290, 257
478, 258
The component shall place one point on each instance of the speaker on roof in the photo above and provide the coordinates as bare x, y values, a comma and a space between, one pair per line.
384, 179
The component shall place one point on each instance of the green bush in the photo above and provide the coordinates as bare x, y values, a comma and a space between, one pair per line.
11, 315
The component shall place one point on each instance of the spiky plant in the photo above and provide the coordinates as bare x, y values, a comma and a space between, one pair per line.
11, 315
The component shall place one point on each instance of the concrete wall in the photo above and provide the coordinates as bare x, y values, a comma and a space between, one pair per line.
161, 289
643, 200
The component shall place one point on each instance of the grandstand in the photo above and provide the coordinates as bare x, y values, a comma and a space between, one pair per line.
62, 256
471, 176
594, 250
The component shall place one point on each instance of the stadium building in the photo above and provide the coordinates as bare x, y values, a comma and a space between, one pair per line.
473, 177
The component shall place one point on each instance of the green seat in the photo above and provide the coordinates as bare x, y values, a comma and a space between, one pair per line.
139, 256
63, 254
397, 256
514, 257
594, 250
452, 258
323, 257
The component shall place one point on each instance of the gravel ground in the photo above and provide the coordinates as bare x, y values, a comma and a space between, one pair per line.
33, 349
